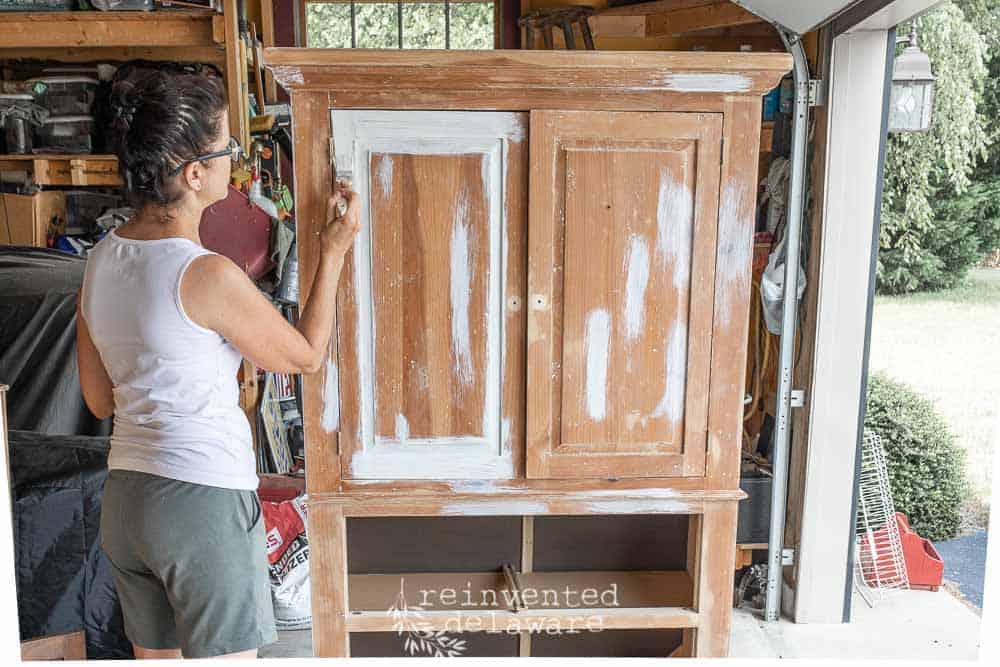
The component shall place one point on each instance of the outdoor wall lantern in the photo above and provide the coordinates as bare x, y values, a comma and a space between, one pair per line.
912, 88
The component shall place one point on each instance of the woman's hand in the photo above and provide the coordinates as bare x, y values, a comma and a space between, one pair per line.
235, 308
337, 236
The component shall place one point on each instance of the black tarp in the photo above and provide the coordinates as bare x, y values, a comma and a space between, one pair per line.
38, 290
64, 581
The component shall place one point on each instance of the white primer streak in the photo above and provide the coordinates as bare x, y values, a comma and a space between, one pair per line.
496, 231
671, 405
674, 227
469, 441
639, 507
597, 337
494, 508
461, 291
734, 250
331, 399
505, 442
635, 287
708, 82
287, 73
426, 458
402, 428
385, 175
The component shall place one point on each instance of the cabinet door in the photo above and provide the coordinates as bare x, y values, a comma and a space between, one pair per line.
622, 217
430, 323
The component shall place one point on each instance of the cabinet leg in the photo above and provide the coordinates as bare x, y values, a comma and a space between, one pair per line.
328, 575
714, 581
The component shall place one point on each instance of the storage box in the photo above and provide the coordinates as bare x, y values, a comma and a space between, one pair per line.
64, 95
65, 134
17, 115
30, 220
123, 5
754, 514
37, 5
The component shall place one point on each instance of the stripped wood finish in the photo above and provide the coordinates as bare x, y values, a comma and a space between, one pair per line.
621, 211
519, 76
691, 117
328, 577
513, 487
734, 256
314, 179
567, 504
714, 582
430, 343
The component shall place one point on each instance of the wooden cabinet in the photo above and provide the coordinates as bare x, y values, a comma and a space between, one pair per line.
544, 319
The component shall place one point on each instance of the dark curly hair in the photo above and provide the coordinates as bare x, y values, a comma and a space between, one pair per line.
158, 117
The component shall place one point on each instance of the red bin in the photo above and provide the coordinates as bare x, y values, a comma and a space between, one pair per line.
924, 566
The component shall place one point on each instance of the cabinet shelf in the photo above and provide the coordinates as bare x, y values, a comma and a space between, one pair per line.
626, 600
526, 497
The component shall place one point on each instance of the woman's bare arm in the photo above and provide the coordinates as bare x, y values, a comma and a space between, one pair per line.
98, 391
218, 295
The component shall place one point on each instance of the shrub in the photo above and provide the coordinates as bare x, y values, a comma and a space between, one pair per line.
926, 467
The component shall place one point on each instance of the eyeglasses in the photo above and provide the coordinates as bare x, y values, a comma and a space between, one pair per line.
233, 150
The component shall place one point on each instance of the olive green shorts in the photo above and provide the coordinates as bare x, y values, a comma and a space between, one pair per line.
189, 563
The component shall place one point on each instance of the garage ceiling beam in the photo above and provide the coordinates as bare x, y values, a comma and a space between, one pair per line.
693, 19
665, 18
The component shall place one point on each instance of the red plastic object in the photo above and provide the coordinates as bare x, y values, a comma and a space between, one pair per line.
924, 566
239, 230
276, 488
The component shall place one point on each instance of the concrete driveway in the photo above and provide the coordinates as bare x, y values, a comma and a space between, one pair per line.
914, 625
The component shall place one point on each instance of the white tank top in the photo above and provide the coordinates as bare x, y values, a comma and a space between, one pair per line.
177, 410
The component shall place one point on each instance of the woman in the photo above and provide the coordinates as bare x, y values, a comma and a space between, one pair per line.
162, 326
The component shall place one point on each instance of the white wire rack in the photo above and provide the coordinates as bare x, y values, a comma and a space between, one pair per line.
879, 566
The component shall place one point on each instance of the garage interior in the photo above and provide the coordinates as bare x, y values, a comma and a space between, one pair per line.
531, 479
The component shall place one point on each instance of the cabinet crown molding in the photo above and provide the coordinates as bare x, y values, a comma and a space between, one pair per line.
675, 73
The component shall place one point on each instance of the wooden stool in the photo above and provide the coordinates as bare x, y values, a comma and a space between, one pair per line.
557, 17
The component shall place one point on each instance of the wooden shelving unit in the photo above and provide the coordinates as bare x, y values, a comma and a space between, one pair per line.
58, 169
94, 29
180, 35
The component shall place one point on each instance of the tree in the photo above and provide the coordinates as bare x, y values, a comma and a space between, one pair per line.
328, 25
933, 196
976, 213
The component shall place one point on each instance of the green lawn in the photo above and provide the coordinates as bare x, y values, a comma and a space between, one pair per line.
946, 345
